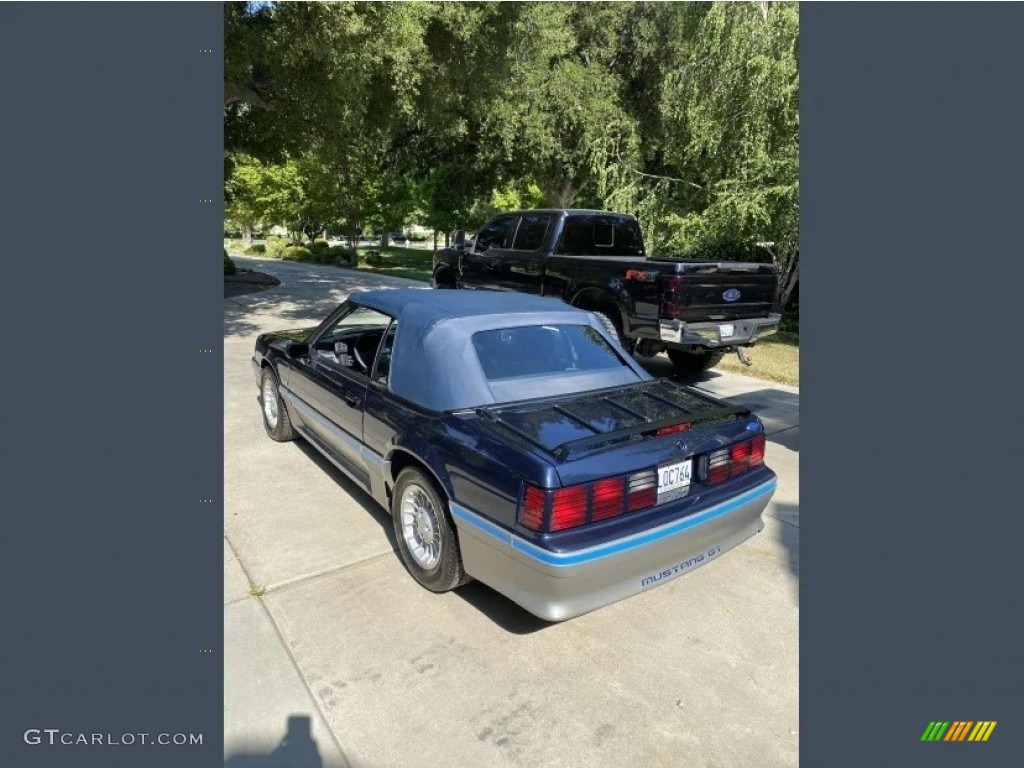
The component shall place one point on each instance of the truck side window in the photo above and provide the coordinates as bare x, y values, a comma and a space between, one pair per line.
577, 237
600, 236
496, 234
532, 230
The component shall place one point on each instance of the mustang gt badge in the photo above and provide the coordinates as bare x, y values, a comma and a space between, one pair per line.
731, 295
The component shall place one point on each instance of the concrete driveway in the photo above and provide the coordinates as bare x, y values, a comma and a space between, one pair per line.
335, 657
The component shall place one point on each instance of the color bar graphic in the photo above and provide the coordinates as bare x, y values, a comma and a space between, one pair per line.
958, 730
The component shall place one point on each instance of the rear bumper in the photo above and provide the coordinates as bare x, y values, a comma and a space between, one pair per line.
744, 332
560, 585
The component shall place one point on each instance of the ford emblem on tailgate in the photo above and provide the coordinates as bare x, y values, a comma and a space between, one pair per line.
731, 295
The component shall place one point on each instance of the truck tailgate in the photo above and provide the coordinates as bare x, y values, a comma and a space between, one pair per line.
710, 291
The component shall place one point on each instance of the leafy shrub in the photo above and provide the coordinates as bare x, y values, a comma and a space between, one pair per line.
374, 258
319, 245
255, 249
296, 253
342, 256
275, 245
229, 265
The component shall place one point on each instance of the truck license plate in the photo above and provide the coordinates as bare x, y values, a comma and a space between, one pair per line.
672, 477
726, 331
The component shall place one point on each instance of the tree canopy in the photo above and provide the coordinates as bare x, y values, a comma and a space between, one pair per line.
367, 115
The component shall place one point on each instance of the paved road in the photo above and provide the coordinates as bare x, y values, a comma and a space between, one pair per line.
344, 661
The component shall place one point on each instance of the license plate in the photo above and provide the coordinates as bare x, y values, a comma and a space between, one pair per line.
725, 331
672, 477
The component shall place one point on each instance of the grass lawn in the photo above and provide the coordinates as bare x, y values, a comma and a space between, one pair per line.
776, 358
413, 263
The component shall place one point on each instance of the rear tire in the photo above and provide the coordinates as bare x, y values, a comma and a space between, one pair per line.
426, 533
444, 279
689, 362
275, 415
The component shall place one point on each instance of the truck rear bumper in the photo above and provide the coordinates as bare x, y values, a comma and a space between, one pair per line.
720, 334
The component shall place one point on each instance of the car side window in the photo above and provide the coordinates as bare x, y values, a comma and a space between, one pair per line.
351, 343
496, 234
382, 366
531, 232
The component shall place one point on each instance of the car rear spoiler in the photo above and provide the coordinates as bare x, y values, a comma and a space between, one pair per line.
693, 409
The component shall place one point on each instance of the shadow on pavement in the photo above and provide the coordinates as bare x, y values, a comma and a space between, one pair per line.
378, 513
297, 749
494, 605
788, 438
789, 536
307, 294
662, 367
499, 609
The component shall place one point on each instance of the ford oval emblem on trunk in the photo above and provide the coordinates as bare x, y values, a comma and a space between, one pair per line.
731, 295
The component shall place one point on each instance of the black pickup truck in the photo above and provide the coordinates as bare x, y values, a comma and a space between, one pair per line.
697, 311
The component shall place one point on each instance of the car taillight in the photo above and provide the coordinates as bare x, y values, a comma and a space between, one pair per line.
532, 511
734, 460
577, 505
643, 490
718, 467
670, 303
757, 450
607, 498
568, 507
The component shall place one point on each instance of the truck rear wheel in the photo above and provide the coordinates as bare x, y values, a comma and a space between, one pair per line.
444, 278
691, 362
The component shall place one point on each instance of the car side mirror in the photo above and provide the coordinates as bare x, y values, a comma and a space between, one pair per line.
296, 351
459, 239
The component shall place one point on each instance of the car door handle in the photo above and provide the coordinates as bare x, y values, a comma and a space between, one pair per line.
352, 398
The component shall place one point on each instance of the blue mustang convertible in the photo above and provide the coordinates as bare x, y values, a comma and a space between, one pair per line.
515, 442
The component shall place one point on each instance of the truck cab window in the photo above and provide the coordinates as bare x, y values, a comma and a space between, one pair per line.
600, 236
531, 233
495, 235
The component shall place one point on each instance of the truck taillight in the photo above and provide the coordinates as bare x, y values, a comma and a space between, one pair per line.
671, 304
738, 458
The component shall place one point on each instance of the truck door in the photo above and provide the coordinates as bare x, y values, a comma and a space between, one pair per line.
483, 265
524, 260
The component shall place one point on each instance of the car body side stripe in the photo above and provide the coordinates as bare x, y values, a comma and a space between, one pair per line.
600, 551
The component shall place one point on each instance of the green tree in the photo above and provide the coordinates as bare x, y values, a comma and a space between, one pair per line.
730, 126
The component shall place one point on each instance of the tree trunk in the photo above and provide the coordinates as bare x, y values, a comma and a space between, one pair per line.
447, 239
560, 193
383, 240
246, 235
789, 273
435, 239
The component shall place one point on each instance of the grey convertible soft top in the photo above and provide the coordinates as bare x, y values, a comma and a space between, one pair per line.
435, 365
